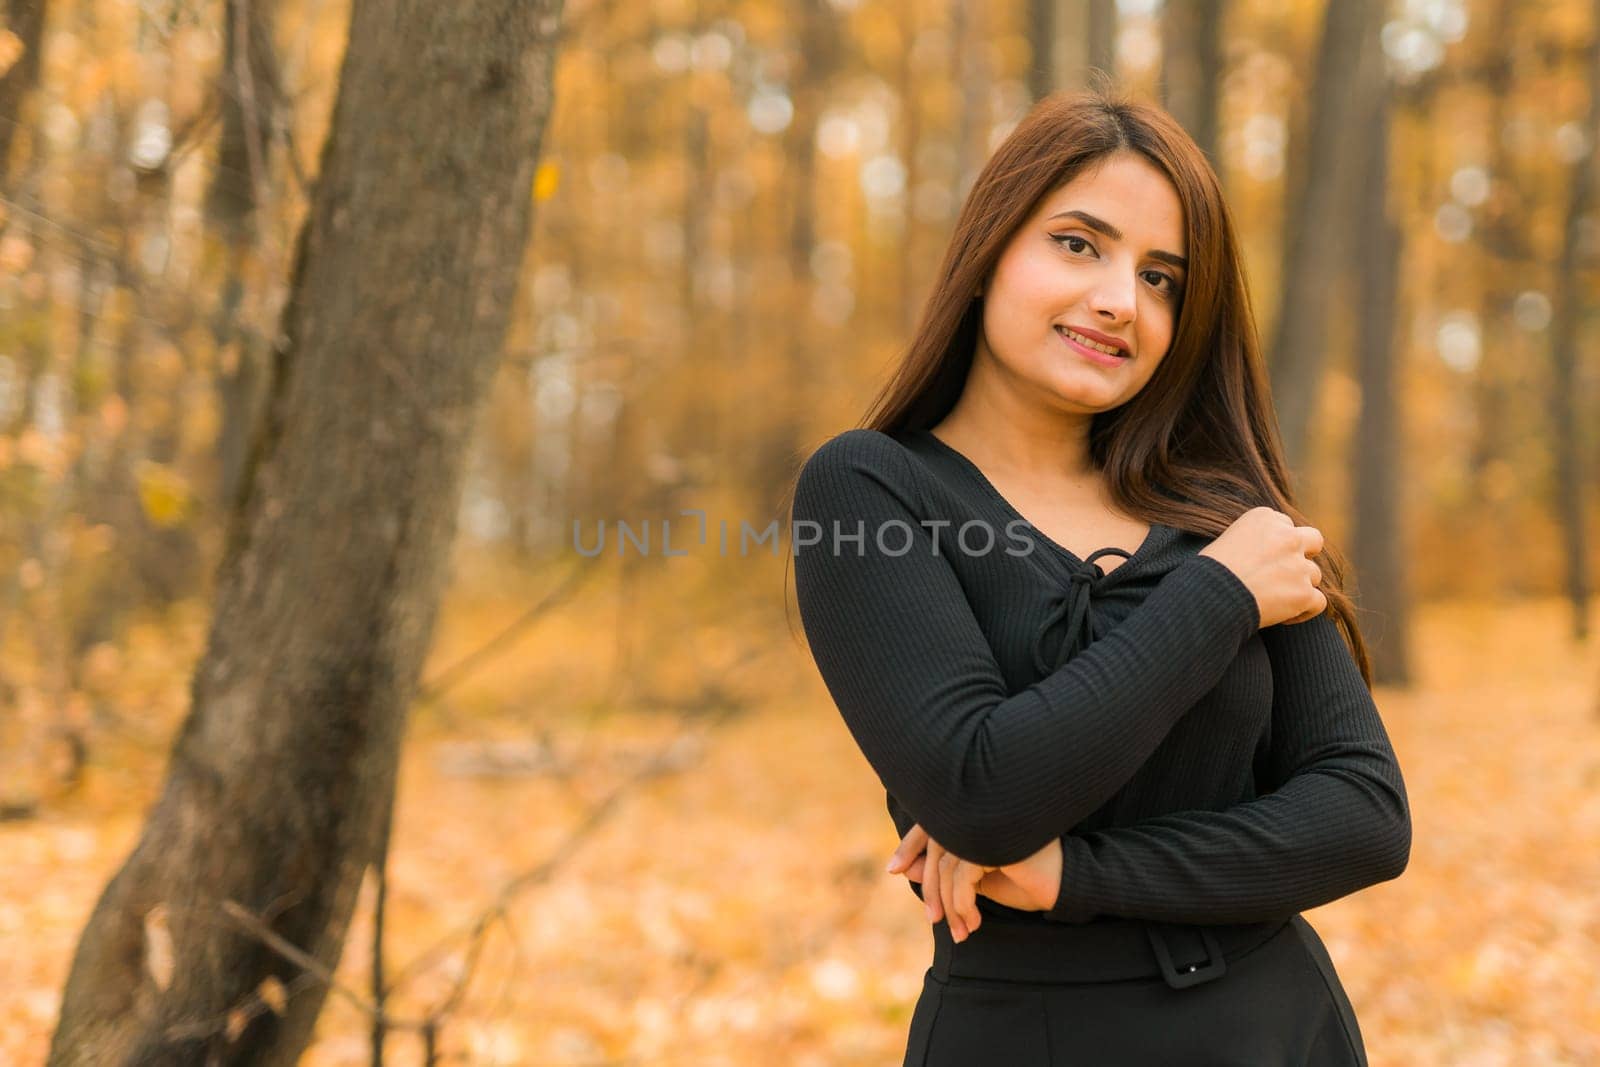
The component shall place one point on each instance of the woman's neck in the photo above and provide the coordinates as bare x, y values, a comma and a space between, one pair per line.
1035, 445
1001, 424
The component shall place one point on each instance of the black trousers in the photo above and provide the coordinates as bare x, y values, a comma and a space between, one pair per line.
1278, 1004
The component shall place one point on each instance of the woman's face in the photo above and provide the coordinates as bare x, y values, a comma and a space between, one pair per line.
1103, 253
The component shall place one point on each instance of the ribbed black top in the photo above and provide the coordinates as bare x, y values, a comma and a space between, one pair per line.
1196, 768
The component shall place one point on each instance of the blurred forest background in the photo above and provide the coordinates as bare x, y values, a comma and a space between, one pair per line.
629, 826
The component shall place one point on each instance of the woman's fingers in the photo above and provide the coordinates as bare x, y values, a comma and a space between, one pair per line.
911, 846
949, 883
930, 881
965, 900
948, 862
1311, 538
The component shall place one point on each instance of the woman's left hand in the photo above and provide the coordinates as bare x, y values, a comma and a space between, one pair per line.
950, 884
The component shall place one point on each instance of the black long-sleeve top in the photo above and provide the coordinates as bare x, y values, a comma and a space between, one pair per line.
1196, 767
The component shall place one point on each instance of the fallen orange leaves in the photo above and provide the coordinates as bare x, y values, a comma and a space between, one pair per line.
735, 912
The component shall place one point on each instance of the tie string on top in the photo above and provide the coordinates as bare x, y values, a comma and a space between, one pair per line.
1073, 605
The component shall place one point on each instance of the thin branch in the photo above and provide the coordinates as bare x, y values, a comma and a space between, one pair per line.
435, 687
668, 758
243, 54
380, 866
252, 925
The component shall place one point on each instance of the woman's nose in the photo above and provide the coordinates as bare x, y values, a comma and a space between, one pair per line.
1114, 301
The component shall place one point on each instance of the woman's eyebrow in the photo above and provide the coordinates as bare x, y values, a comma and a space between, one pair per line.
1102, 226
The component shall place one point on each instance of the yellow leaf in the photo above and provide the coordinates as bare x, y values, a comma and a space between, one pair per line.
164, 496
546, 180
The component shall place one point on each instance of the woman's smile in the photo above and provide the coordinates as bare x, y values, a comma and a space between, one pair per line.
1093, 351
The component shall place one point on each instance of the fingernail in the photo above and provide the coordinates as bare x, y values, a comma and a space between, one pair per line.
890, 865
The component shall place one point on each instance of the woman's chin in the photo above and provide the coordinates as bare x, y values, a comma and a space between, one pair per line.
1083, 397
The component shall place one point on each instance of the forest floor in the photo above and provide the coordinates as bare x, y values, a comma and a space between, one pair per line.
689, 856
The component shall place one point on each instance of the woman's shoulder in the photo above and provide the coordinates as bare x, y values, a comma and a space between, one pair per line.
857, 460
862, 451
862, 444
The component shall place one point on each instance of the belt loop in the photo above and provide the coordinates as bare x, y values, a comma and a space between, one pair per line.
1182, 976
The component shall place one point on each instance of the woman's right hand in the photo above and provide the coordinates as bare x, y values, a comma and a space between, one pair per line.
1273, 558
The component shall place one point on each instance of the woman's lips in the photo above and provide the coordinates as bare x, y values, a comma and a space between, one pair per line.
1091, 354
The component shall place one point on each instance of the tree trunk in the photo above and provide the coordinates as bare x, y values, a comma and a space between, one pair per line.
1041, 35
1191, 68
1378, 541
969, 26
1101, 32
1502, 231
337, 552
1317, 217
1072, 38
1564, 357
247, 88
910, 150
25, 18
817, 32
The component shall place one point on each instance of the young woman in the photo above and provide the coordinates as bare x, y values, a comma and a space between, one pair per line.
1117, 783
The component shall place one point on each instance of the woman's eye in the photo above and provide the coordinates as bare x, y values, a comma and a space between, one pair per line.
1078, 244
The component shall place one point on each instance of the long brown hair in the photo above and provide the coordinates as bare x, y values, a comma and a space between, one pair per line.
1196, 447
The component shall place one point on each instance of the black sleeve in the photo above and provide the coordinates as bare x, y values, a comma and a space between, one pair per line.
991, 776
1335, 817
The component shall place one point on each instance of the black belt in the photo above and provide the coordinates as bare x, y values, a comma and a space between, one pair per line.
1106, 950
